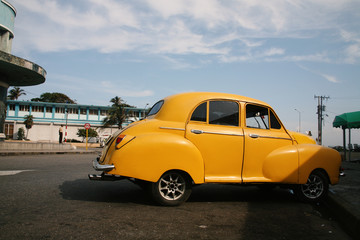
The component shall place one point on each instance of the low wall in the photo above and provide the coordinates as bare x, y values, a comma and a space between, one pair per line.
10, 146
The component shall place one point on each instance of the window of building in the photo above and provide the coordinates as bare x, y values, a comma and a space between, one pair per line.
103, 112
200, 113
257, 117
83, 111
93, 112
48, 109
24, 108
37, 109
72, 111
224, 113
59, 110
12, 107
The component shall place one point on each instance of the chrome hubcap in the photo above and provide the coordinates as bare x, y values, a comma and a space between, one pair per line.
172, 186
313, 188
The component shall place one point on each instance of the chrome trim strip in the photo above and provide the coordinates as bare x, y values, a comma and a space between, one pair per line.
275, 137
218, 133
98, 167
228, 134
170, 128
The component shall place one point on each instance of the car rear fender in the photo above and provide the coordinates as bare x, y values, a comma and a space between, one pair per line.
148, 156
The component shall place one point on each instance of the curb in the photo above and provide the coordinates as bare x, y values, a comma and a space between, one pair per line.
347, 215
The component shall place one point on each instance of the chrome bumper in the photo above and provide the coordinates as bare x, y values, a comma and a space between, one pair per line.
99, 167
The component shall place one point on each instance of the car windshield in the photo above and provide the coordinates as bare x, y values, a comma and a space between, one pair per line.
156, 108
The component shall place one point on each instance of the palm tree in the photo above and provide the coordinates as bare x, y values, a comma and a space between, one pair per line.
15, 93
29, 122
116, 114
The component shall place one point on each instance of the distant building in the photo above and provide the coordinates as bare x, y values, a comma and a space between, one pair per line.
14, 71
48, 117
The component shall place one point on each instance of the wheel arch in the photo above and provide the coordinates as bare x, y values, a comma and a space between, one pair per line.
151, 155
185, 173
314, 157
323, 171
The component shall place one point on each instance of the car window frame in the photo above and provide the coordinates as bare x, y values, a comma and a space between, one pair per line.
268, 127
208, 112
158, 102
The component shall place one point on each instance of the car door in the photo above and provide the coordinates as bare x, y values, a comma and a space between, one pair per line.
269, 154
214, 128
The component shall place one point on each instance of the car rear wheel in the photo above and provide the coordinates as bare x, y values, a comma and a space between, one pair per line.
315, 189
172, 189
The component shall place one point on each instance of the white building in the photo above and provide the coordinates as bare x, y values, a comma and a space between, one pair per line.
48, 117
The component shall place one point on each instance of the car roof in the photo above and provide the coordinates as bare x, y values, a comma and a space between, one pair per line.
177, 107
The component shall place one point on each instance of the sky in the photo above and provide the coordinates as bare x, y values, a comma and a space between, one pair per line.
283, 52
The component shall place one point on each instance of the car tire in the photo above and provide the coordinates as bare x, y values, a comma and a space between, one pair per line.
315, 189
172, 189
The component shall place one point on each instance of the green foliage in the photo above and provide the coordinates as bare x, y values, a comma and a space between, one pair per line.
21, 134
15, 93
82, 133
116, 114
54, 97
29, 122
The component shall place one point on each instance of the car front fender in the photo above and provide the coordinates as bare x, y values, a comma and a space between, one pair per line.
312, 156
281, 165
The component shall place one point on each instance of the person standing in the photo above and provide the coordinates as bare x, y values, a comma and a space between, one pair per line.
61, 130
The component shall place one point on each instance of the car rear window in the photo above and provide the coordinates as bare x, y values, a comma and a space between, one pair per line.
156, 108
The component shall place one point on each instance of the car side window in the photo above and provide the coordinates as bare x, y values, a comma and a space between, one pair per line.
200, 113
224, 113
257, 117
274, 122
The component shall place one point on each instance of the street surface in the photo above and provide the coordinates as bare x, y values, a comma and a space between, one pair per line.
50, 197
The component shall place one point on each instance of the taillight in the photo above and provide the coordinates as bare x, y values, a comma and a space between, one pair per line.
119, 139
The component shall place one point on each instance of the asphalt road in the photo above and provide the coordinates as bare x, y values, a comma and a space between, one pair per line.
50, 197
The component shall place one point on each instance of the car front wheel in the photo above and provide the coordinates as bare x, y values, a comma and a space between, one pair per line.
172, 189
315, 189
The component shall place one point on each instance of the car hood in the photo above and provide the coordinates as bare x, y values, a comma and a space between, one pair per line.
301, 138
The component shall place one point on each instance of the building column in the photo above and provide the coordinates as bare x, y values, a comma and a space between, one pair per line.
3, 95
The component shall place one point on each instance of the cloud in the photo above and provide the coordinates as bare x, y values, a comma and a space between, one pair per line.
79, 84
352, 51
274, 51
179, 27
329, 78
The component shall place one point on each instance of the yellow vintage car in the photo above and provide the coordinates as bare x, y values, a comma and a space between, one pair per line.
201, 137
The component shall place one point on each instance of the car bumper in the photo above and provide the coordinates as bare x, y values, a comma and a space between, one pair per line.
102, 167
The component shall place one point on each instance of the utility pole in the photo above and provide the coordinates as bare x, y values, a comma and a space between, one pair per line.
320, 110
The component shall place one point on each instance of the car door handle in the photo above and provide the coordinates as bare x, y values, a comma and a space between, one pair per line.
253, 135
196, 131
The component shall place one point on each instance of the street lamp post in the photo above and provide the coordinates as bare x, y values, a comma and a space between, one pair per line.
299, 119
